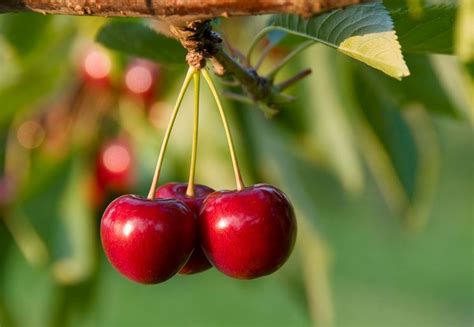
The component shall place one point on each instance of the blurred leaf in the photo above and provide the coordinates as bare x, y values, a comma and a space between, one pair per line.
465, 45
394, 149
431, 31
315, 264
78, 218
24, 31
26, 238
326, 111
139, 40
422, 87
427, 169
388, 129
364, 32
41, 72
465, 31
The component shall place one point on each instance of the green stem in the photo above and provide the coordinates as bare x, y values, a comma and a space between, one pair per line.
192, 170
264, 54
235, 164
292, 80
156, 176
255, 41
290, 56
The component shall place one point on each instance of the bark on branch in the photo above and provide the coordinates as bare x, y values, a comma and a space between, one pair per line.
197, 9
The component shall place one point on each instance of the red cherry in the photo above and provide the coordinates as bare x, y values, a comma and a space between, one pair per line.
96, 67
148, 241
197, 262
249, 233
141, 79
115, 166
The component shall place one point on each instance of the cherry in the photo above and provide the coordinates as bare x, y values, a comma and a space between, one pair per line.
141, 78
96, 67
148, 241
114, 166
248, 233
198, 262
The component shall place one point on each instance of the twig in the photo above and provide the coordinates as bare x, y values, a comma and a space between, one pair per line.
292, 80
194, 9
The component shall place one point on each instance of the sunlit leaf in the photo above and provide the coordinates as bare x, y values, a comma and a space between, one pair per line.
364, 32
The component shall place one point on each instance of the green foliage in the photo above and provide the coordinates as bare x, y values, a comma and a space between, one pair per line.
423, 87
464, 31
38, 71
24, 31
430, 32
137, 39
363, 32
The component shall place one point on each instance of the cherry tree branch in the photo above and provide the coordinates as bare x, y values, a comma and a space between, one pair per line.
195, 9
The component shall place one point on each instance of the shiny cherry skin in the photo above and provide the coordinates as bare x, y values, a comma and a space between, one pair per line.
249, 233
198, 261
148, 241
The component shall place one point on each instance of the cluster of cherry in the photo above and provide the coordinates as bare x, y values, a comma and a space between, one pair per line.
187, 228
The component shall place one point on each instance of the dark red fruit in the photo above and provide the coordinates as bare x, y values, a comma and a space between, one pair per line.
198, 261
115, 166
148, 241
249, 233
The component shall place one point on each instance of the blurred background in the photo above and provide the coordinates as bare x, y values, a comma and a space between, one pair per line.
379, 171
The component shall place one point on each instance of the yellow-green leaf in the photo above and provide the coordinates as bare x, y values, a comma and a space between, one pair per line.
364, 32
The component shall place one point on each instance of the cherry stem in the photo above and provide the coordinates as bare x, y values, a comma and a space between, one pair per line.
192, 169
212, 87
156, 176
271, 75
264, 54
292, 80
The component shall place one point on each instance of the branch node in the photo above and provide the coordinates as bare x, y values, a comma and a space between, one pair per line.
200, 41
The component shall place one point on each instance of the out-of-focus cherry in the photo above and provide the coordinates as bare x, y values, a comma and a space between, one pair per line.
95, 67
115, 166
141, 79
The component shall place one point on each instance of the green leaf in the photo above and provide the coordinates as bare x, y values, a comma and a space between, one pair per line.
24, 31
78, 218
139, 40
400, 149
430, 32
465, 31
40, 73
331, 130
423, 88
364, 32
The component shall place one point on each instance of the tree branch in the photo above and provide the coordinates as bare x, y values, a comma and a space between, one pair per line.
195, 9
